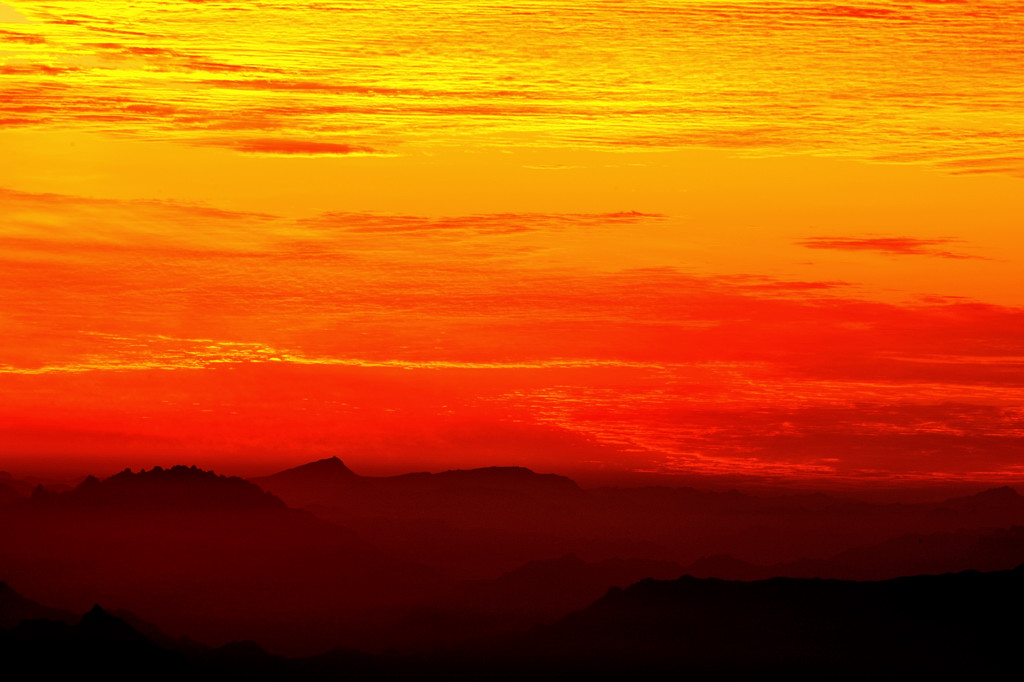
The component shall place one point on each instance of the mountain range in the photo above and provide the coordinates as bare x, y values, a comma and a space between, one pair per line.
318, 557
961, 625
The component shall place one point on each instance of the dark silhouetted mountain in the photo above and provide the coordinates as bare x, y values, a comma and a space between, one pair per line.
206, 555
329, 482
480, 523
183, 644
100, 626
245, 660
473, 523
958, 626
330, 468
159, 489
13, 488
14, 608
952, 624
557, 586
911, 554
99, 644
997, 506
220, 559
728, 567
325, 481
8, 493
538, 592
518, 479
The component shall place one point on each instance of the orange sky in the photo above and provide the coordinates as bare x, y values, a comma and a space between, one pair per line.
755, 238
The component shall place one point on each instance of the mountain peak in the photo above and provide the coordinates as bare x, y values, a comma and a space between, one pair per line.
331, 466
15, 608
1002, 493
98, 619
104, 629
516, 477
159, 489
993, 498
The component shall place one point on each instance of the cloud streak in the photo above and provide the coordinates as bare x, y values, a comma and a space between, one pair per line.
897, 246
286, 147
301, 81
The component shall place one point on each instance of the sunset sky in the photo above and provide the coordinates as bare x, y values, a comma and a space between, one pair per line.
770, 240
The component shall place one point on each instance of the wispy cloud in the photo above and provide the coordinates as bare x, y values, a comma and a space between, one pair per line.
312, 75
492, 223
288, 147
897, 246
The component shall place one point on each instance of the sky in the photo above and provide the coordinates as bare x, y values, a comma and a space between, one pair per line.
759, 240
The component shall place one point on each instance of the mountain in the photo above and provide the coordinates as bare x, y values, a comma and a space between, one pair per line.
470, 523
328, 482
178, 488
8, 493
535, 593
517, 479
12, 488
910, 554
996, 506
331, 468
481, 523
321, 482
207, 555
98, 645
951, 624
14, 608
556, 586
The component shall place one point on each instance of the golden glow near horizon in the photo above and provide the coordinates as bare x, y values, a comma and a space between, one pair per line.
758, 238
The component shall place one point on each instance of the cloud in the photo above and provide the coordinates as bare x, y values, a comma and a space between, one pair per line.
286, 147
1013, 165
501, 93
34, 70
852, 12
485, 289
9, 15
882, 436
68, 227
491, 223
17, 37
164, 58
249, 318
899, 246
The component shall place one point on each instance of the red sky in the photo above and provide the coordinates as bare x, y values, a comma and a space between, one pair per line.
779, 240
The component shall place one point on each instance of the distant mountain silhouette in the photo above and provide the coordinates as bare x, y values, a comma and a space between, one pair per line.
321, 482
98, 645
480, 523
911, 554
331, 467
538, 592
952, 624
329, 482
557, 586
194, 552
471, 522
728, 567
431, 560
996, 505
8, 493
14, 608
493, 478
13, 488
159, 489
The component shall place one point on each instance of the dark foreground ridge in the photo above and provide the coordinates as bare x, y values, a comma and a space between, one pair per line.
962, 625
